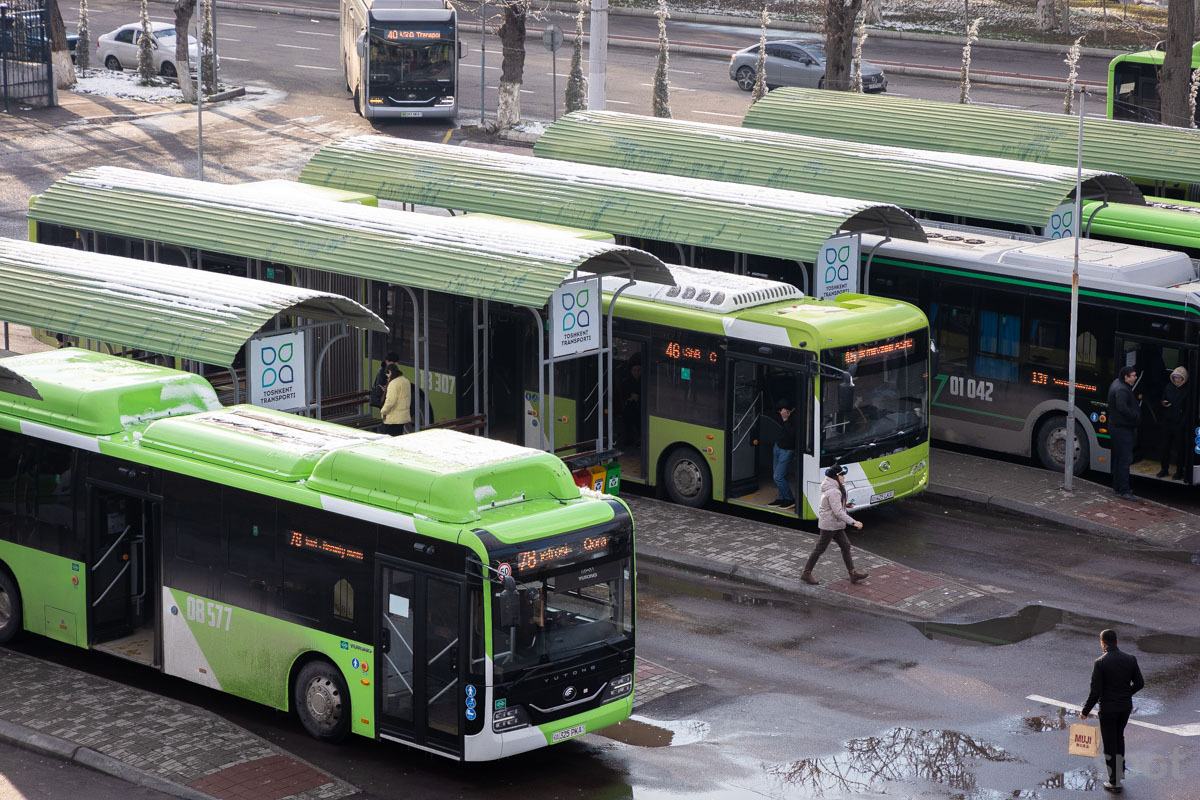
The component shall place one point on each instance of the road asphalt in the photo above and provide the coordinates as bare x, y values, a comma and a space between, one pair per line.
188, 752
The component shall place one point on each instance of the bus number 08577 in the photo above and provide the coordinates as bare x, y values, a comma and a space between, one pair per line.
209, 613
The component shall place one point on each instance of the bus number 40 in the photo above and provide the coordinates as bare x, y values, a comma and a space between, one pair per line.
971, 388
209, 613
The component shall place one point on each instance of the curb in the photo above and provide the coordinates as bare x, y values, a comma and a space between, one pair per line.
56, 747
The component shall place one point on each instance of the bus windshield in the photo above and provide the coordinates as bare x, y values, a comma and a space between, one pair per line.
416, 60
562, 612
890, 403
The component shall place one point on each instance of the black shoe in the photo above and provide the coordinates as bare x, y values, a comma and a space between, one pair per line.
1130, 496
787, 505
1178, 476
1162, 473
775, 502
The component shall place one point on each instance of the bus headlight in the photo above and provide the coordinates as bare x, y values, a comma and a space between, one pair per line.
918, 467
510, 719
619, 687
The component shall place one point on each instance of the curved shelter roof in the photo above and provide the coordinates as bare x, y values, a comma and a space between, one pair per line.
999, 190
161, 308
705, 213
286, 224
1134, 149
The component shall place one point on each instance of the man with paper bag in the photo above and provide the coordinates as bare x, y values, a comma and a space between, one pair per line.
1085, 740
1115, 680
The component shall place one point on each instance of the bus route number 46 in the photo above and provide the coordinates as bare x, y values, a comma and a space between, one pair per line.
209, 613
971, 388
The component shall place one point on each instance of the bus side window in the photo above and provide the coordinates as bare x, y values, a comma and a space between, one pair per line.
1047, 333
952, 328
998, 348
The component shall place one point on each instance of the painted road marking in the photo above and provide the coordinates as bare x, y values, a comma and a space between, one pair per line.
1189, 729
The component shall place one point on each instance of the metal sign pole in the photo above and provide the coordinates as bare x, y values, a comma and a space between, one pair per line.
482, 57
199, 102
1069, 456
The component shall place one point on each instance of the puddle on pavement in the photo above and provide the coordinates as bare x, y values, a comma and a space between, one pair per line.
697, 590
645, 732
1171, 643
1077, 780
944, 757
1058, 721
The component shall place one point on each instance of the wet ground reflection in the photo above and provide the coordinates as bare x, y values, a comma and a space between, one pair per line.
901, 754
645, 732
1056, 721
1077, 780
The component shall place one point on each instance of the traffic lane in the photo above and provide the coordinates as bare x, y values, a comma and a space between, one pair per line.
26, 775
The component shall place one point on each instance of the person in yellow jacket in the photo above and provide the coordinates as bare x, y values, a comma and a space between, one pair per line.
396, 403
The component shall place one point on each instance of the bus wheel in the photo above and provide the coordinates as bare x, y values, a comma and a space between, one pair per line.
10, 608
323, 702
689, 483
1052, 445
357, 102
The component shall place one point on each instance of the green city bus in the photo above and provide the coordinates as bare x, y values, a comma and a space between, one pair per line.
444, 591
1133, 84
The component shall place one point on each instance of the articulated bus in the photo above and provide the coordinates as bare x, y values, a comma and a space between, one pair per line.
1133, 84
400, 57
447, 592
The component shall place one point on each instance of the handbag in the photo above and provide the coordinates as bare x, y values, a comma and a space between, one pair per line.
1085, 740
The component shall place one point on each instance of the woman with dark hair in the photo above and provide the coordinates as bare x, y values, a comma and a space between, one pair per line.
396, 402
832, 520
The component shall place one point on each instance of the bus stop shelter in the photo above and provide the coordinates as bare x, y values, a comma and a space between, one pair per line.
684, 212
966, 188
165, 311
1155, 155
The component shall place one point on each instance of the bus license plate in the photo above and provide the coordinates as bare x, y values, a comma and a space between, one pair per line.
410, 113
568, 733
879, 498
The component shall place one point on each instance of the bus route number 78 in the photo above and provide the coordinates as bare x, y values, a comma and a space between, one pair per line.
209, 613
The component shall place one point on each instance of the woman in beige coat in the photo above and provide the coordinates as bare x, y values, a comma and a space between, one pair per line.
396, 402
832, 520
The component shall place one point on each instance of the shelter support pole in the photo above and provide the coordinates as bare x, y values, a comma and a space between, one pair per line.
319, 378
542, 401
611, 347
416, 352
425, 383
1072, 344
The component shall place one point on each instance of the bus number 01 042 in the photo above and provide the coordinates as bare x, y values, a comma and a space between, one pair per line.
971, 388
209, 613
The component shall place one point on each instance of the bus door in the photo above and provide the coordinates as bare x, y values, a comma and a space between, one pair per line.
757, 388
123, 574
1154, 360
629, 406
421, 700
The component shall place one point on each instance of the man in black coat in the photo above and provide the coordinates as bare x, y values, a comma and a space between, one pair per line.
1124, 414
1115, 680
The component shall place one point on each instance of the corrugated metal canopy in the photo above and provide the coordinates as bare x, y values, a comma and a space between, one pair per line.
1139, 151
523, 267
704, 213
1000, 190
160, 308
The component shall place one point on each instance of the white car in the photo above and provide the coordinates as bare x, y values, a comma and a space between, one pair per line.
118, 49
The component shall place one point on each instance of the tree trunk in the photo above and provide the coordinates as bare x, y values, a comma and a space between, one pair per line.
1066, 16
1044, 15
183, 60
512, 63
60, 55
873, 11
1174, 81
576, 99
839, 42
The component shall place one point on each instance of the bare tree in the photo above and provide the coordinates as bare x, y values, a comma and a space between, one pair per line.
512, 62
183, 61
576, 99
760, 63
83, 49
860, 38
1072, 62
873, 11
145, 48
839, 42
208, 49
60, 55
1192, 96
964, 77
1176, 74
1044, 14
660, 103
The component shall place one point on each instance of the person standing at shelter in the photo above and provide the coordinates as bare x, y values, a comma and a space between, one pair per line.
379, 387
832, 519
1124, 414
785, 448
396, 412
1116, 678
1175, 433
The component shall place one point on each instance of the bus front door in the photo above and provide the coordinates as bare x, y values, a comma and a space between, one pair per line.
420, 655
757, 388
122, 574
1154, 361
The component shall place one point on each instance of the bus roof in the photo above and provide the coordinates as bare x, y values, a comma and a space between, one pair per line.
1170, 223
417, 250
290, 191
485, 222
1001, 190
627, 202
165, 309
1134, 149
170, 418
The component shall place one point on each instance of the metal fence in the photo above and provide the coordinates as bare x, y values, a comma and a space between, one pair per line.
26, 74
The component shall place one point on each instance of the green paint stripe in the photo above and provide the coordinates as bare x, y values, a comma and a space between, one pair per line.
975, 411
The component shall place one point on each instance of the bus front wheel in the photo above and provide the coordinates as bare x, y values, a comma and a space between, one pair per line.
10, 607
323, 702
1052, 446
689, 483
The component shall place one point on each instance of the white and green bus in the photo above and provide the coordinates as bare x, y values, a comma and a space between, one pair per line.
447, 592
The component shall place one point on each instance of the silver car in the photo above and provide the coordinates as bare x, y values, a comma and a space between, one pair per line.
795, 62
118, 49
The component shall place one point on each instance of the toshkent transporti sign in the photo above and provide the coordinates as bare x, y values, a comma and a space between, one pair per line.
575, 317
277, 377
836, 271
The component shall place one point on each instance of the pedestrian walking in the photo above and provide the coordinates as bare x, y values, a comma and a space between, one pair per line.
785, 448
1124, 414
379, 387
1115, 680
832, 519
396, 402
1175, 434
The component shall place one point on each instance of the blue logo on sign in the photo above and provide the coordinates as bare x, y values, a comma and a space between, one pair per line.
354, 663
470, 690
470, 702
344, 645
1095, 417
470, 712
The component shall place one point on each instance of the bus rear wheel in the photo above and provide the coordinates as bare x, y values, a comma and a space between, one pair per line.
689, 483
1052, 445
10, 608
323, 702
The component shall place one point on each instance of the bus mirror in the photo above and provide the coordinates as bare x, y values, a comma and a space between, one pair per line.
462, 50
933, 358
846, 395
361, 45
510, 604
